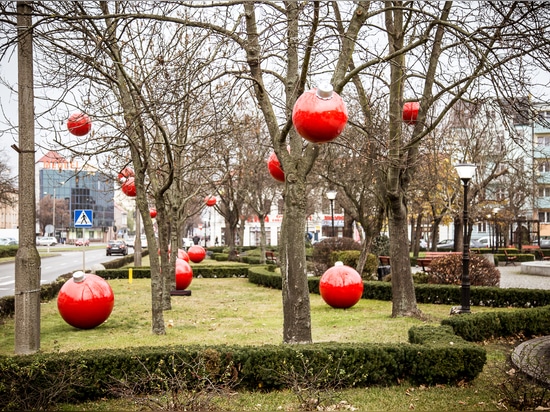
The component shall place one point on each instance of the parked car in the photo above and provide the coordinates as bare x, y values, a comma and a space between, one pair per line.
46, 241
449, 244
545, 243
131, 241
486, 241
82, 242
117, 247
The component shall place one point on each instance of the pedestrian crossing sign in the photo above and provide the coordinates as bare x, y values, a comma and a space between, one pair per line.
83, 218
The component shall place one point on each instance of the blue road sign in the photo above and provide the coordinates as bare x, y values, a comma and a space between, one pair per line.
83, 218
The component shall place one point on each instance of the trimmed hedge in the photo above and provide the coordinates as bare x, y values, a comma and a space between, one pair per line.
478, 327
443, 359
426, 293
230, 271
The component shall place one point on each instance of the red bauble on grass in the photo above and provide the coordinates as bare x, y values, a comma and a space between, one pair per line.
210, 201
129, 187
274, 167
184, 274
196, 253
79, 124
410, 112
85, 301
320, 115
341, 286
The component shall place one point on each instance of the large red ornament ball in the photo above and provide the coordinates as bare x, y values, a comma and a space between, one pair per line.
410, 112
182, 254
129, 187
184, 274
319, 115
210, 201
274, 167
79, 124
341, 286
153, 212
196, 253
125, 174
85, 301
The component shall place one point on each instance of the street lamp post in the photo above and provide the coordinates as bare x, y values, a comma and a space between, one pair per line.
465, 172
331, 195
495, 230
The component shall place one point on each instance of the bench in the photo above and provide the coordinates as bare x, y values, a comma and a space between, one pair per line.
384, 267
270, 258
535, 250
510, 259
429, 256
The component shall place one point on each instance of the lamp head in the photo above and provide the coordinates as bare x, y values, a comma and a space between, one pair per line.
466, 171
331, 194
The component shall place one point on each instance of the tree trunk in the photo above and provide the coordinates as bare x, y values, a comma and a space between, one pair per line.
27, 260
296, 319
403, 294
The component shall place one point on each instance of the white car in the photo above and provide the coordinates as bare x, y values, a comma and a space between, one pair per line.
187, 242
46, 241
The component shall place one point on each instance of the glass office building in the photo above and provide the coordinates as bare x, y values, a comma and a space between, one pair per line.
81, 190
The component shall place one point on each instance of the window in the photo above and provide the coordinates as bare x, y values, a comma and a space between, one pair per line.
544, 191
544, 141
543, 165
544, 217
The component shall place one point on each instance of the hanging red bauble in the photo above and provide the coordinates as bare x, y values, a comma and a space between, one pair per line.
320, 115
184, 274
129, 187
210, 201
196, 253
341, 286
410, 112
152, 212
182, 254
125, 174
85, 301
274, 167
79, 124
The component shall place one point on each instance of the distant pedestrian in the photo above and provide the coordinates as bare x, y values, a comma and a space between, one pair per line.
196, 240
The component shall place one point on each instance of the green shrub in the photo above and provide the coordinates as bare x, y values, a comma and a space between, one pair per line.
447, 270
322, 252
351, 257
381, 245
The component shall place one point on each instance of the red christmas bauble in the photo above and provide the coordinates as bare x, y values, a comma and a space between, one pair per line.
182, 254
184, 274
153, 212
85, 301
196, 253
274, 167
410, 112
341, 286
319, 115
210, 201
125, 174
79, 124
129, 187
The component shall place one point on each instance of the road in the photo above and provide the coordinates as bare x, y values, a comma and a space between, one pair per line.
54, 266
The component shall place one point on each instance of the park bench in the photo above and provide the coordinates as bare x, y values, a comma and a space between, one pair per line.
383, 267
270, 257
535, 250
426, 261
510, 259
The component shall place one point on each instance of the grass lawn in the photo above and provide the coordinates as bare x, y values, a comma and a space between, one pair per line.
234, 311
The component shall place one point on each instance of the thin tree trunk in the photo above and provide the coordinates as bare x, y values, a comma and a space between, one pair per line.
27, 260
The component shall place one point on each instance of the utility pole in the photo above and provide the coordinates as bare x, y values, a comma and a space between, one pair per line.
27, 260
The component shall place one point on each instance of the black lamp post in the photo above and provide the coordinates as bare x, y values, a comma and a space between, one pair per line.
466, 172
331, 195
497, 238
